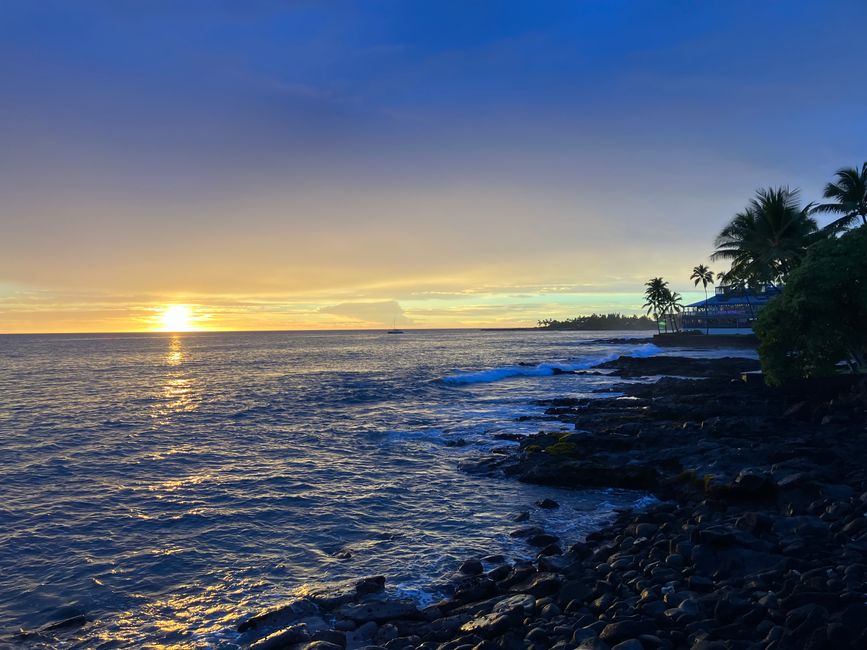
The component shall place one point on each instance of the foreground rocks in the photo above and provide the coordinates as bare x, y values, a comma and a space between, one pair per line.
760, 542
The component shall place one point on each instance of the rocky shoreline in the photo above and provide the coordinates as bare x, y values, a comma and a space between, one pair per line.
759, 540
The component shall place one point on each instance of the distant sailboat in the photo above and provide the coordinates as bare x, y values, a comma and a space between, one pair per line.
394, 329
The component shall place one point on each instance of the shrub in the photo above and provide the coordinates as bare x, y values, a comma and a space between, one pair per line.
820, 319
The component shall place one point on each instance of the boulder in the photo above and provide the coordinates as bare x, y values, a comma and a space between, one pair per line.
472, 568
540, 584
490, 625
625, 630
381, 610
282, 638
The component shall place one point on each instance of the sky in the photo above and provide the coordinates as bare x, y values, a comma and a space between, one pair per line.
265, 164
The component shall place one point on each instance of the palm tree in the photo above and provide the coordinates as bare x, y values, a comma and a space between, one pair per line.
674, 304
704, 275
768, 238
849, 195
657, 296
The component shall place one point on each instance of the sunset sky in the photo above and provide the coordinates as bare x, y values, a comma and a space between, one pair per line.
279, 165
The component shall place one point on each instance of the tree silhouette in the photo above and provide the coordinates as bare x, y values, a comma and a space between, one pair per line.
657, 298
703, 274
849, 198
768, 239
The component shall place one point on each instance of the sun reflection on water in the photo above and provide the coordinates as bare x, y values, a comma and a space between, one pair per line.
178, 390
176, 352
200, 621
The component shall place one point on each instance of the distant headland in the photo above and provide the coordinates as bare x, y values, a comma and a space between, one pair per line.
602, 322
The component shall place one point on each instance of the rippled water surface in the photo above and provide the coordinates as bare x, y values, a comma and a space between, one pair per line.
163, 486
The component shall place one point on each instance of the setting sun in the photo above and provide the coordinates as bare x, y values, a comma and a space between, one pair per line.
176, 318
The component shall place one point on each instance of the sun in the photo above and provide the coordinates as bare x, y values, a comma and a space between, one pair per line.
176, 318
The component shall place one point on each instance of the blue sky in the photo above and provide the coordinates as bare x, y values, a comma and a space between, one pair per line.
307, 164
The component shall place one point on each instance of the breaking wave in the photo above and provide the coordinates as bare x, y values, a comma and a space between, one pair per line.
543, 369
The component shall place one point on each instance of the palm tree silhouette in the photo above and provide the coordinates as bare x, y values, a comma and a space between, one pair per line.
674, 304
849, 194
768, 238
703, 274
656, 295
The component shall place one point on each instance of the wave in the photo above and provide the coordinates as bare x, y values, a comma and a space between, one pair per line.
645, 350
544, 369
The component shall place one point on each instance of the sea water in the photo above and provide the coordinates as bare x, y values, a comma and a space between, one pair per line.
165, 486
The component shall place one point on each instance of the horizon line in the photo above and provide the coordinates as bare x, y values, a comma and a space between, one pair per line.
265, 331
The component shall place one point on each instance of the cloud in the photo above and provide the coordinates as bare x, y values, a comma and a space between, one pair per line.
385, 312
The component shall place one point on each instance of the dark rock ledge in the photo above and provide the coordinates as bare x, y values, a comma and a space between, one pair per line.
760, 542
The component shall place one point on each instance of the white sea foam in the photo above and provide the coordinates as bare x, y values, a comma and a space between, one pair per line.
546, 369
645, 350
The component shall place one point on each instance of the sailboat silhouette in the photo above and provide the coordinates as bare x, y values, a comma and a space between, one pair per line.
394, 329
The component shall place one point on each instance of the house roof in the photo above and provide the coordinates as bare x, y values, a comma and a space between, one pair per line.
734, 297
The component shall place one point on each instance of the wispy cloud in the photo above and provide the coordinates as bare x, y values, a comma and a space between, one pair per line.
383, 312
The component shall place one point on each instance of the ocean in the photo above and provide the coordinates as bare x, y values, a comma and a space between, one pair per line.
165, 486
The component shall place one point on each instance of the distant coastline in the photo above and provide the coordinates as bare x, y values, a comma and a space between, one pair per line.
591, 323
600, 322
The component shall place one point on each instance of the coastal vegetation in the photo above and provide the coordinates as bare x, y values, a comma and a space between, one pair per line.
660, 300
848, 196
767, 239
598, 322
703, 274
820, 319
818, 324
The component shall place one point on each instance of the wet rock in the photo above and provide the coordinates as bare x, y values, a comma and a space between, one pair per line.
280, 617
474, 589
715, 536
282, 638
526, 531
645, 529
593, 643
542, 539
537, 635
700, 584
383, 610
756, 523
550, 550
754, 483
362, 635
625, 630
524, 602
490, 625
331, 636
499, 573
72, 621
540, 584
323, 645
547, 504
631, 644
472, 567
577, 590
386, 633
370, 585
447, 627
